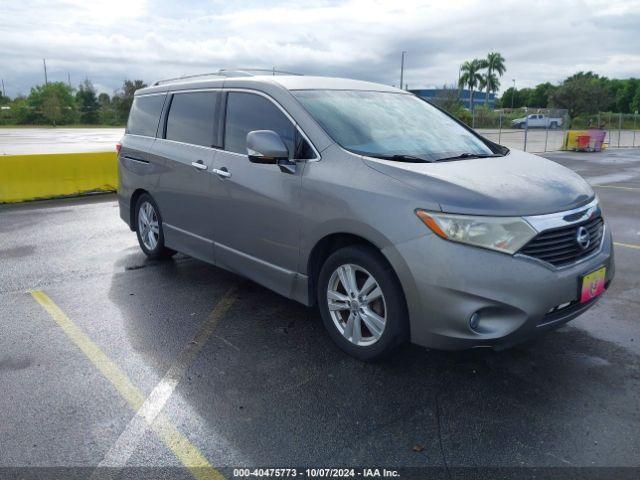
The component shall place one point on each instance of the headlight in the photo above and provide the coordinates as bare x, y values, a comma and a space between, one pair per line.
504, 234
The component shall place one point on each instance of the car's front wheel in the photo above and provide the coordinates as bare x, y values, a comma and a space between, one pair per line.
362, 303
149, 228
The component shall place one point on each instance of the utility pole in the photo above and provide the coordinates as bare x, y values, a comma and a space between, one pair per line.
513, 93
3, 92
69, 79
46, 80
402, 69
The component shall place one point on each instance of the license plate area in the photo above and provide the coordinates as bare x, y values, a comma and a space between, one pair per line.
592, 284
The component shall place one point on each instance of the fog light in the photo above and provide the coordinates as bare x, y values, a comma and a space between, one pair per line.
474, 320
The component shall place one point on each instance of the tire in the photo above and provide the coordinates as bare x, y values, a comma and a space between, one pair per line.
151, 240
554, 125
374, 342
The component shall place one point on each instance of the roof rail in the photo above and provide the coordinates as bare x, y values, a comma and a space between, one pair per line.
226, 72
248, 72
186, 77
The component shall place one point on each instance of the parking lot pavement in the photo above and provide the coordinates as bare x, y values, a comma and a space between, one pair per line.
108, 358
22, 141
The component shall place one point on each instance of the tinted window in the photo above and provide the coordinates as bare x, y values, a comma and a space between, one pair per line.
144, 115
191, 118
247, 112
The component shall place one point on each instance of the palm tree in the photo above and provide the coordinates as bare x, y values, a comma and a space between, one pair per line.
494, 65
471, 76
489, 83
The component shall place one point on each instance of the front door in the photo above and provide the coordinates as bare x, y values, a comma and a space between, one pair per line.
262, 235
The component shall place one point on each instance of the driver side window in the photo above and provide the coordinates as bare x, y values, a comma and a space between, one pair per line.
247, 112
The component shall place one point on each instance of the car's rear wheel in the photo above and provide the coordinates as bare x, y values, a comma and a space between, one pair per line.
361, 303
149, 228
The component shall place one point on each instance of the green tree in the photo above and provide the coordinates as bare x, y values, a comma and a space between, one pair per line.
52, 104
495, 69
539, 96
514, 97
87, 103
584, 93
635, 103
471, 77
625, 95
123, 99
106, 110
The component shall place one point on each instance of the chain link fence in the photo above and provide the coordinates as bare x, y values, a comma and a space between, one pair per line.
543, 130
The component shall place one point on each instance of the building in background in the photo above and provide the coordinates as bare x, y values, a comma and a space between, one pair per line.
433, 94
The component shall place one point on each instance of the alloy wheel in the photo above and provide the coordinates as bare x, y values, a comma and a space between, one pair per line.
356, 304
148, 226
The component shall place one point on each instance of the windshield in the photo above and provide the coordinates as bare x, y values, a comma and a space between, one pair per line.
388, 124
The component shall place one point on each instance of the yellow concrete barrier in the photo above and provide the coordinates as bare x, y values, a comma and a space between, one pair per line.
30, 177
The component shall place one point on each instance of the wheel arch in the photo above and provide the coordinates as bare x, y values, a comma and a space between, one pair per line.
328, 244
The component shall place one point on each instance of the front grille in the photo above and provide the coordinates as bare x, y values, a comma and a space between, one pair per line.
560, 247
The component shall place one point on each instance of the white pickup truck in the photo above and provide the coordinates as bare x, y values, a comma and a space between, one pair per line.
537, 120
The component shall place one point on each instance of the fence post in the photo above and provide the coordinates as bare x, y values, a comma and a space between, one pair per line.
635, 117
500, 129
526, 131
619, 127
546, 134
609, 129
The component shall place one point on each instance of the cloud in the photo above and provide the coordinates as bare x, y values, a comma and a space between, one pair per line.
110, 40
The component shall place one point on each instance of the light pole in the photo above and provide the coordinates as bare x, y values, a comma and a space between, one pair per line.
402, 70
513, 92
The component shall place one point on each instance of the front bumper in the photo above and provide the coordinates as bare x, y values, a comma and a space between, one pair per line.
446, 282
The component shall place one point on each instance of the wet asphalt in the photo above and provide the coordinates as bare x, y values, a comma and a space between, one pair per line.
270, 389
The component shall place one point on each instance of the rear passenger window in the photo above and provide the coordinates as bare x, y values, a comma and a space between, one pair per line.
191, 118
247, 112
145, 114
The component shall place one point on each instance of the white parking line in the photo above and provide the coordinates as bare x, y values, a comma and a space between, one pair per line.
126, 444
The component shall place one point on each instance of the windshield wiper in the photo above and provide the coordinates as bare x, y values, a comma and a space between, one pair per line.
402, 158
469, 155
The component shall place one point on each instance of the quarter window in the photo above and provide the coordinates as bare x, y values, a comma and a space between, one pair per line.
191, 118
247, 112
145, 114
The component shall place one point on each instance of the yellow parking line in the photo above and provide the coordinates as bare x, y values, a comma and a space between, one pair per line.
184, 450
126, 444
107, 367
618, 187
628, 245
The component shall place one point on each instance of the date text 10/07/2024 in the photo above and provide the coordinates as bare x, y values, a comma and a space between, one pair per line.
315, 472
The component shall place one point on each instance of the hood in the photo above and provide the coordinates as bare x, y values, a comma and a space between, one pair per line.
514, 185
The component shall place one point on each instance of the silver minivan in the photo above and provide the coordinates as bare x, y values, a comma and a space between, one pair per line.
398, 221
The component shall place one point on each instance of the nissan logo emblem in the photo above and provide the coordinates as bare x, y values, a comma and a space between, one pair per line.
583, 238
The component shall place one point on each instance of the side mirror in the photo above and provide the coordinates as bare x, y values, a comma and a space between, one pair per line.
266, 146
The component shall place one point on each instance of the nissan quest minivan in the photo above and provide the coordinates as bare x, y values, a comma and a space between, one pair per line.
398, 221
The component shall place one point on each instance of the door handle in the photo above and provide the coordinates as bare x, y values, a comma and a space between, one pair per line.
199, 165
222, 172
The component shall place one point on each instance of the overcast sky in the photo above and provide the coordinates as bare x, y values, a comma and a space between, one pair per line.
110, 40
